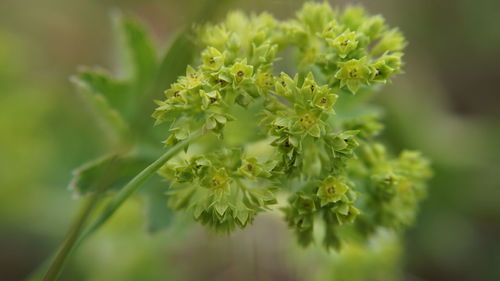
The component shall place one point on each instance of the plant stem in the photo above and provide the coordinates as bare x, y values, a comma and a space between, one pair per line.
71, 238
134, 185
75, 237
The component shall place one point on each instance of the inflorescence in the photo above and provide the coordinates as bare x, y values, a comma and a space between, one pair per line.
329, 164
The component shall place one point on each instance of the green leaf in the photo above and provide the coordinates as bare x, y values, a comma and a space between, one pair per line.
137, 50
181, 50
179, 54
106, 174
111, 120
101, 82
139, 63
158, 214
173, 64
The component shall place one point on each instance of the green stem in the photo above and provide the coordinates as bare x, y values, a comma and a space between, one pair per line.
134, 185
71, 238
75, 238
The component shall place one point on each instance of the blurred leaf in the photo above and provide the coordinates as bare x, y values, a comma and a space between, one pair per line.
101, 82
112, 121
138, 51
119, 101
181, 51
124, 104
179, 54
132, 98
158, 214
106, 173
143, 76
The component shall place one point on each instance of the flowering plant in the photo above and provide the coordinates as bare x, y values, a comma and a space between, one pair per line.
267, 109
328, 162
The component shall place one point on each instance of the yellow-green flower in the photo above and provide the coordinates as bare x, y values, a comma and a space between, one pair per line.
331, 190
209, 98
217, 179
192, 80
310, 86
241, 70
325, 101
176, 94
264, 81
344, 43
212, 58
353, 73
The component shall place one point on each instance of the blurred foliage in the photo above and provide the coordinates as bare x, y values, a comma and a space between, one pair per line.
445, 105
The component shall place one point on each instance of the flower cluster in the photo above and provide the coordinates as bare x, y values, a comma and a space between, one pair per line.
350, 49
302, 134
395, 186
236, 69
332, 199
220, 188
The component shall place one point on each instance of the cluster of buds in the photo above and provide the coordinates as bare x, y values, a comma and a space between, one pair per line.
307, 134
220, 188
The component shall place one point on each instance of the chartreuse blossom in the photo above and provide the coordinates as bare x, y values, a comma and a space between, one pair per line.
267, 109
323, 155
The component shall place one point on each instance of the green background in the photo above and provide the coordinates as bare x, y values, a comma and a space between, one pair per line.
446, 105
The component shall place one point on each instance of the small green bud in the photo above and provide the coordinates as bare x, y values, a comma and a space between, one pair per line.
393, 61
193, 79
184, 174
210, 98
221, 80
263, 54
264, 81
331, 30
250, 167
304, 204
414, 165
244, 99
352, 74
344, 43
216, 179
386, 184
366, 125
216, 122
380, 72
353, 17
177, 135
342, 145
315, 16
348, 216
294, 32
391, 41
176, 94
236, 21
373, 27
241, 71
309, 122
331, 190
325, 101
309, 87
212, 59
285, 86
216, 36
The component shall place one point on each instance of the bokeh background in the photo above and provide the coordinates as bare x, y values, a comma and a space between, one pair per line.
447, 105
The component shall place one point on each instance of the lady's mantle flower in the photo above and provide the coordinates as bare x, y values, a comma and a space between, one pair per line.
331, 190
344, 43
353, 73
